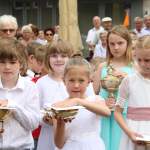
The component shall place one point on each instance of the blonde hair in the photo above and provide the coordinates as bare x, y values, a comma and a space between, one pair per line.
123, 32
143, 43
60, 47
77, 53
78, 62
26, 28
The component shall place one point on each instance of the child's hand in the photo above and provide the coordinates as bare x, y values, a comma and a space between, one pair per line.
110, 102
133, 136
3, 103
62, 120
48, 119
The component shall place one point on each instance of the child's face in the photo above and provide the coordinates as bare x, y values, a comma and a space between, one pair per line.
76, 81
9, 70
57, 62
143, 59
37, 66
117, 45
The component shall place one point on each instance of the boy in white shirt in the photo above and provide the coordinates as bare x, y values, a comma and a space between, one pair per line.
18, 94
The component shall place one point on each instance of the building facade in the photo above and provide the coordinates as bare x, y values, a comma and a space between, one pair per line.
44, 13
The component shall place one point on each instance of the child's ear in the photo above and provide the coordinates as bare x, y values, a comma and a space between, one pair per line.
31, 57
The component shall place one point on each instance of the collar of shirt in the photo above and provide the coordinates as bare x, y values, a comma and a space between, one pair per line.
147, 29
20, 84
99, 29
30, 73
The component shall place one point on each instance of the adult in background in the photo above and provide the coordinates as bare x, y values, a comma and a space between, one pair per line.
138, 23
107, 23
8, 26
146, 29
26, 35
93, 35
101, 47
49, 35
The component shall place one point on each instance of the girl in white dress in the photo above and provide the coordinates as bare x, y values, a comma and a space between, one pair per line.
136, 90
51, 88
81, 133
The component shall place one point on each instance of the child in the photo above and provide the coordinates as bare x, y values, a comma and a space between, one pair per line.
135, 89
118, 56
17, 93
36, 62
89, 89
36, 56
52, 88
83, 131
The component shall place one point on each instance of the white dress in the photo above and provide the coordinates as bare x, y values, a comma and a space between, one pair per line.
137, 90
83, 132
50, 92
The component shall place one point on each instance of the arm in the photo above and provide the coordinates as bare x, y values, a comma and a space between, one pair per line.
123, 125
98, 106
59, 132
89, 40
120, 104
120, 120
27, 113
96, 79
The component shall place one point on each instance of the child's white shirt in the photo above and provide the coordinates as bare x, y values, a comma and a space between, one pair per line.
25, 116
30, 74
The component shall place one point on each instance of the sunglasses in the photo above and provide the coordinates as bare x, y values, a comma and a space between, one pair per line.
6, 30
47, 34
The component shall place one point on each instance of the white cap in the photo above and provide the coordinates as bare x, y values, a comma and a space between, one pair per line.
106, 19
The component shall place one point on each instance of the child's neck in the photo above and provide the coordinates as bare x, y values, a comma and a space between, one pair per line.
118, 62
9, 83
78, 96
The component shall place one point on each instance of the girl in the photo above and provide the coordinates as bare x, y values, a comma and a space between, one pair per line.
135, 88
17, 93
119, 57
82, 132
52, 88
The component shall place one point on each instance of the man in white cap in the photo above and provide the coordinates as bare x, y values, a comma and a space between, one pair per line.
107, 23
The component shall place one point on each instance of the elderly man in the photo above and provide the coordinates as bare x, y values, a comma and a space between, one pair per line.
93, 35
146, 29
138, 23
8, 26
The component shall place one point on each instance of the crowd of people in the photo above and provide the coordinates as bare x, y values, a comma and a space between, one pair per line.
38, 70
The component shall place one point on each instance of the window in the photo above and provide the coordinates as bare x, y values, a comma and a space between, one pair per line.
18, 5
49, 4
